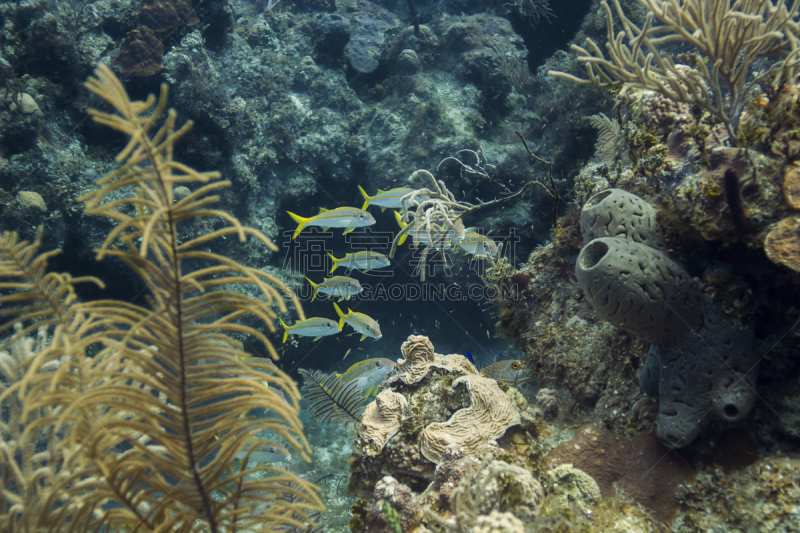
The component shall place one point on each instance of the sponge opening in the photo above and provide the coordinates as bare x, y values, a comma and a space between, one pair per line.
597, 198
592, 254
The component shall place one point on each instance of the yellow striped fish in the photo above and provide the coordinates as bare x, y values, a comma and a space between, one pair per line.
368, 374
364, 261
340, 287
341, 217
478, 245
313, 327
366, 325
384, 199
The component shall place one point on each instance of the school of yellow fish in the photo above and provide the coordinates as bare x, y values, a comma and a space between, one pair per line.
344, 287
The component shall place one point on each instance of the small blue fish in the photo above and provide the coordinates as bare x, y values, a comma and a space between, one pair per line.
469, 357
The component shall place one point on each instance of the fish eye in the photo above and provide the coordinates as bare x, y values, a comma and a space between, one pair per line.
272, 450
361, 216
515, 366
378, 364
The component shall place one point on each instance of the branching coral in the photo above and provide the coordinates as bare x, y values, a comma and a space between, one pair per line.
138, 435
733, 36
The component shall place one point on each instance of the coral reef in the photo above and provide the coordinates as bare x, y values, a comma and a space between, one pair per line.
444, 402
783, 242
572, 483
762, 497
392, 508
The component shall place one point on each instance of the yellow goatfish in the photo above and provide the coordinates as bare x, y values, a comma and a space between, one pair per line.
313, 327
364, 261
341, 217
384, 199
366, 325
340, 287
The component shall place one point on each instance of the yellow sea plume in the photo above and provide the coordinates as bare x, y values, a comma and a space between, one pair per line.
120, 407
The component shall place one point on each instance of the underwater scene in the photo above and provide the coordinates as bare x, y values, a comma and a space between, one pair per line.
400, 266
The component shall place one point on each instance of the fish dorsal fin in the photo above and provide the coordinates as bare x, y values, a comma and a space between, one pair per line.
380, 191
322, 210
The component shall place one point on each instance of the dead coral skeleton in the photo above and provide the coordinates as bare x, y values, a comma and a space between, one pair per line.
431, 214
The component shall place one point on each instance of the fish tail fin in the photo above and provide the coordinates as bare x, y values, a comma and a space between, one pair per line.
335, 262
402, 225
341, 315
399, 218
366, 198
301, 223
314, 285
286, 330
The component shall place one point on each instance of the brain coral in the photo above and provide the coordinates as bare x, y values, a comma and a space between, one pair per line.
381, 419
491, 412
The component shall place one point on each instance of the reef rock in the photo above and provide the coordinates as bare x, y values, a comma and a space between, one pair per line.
643, 467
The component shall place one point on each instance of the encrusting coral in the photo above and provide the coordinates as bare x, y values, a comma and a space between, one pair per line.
642, 467
136, 434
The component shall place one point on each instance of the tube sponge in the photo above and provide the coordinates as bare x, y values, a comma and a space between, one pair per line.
639, 289
700, 365
709, 374
618, 213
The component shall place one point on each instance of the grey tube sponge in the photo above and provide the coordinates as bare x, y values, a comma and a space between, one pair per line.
617, 213
700, 365
709, 375
639, 289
